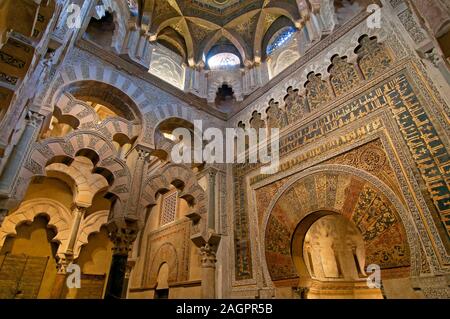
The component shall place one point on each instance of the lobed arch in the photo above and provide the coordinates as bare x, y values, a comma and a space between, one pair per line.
166, 254
298, 82
164, 145
229, 80
90, 225
60, 218
85, 185
100, 92
290, 228
90, 144
151, 110
97, 82
121, 15
86, 118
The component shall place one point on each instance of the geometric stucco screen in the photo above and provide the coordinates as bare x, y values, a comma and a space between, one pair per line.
169, 208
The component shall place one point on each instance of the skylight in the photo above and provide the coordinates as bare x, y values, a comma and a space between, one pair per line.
224, 61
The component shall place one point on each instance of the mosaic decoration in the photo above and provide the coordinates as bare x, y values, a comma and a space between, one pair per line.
418, 132
371, 158
276, 117
296, 106
381, 228
375, 217
318, 92
373, 57
344, 76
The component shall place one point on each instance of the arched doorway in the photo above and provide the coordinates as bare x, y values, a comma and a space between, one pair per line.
378, 217
334, 254
162, 288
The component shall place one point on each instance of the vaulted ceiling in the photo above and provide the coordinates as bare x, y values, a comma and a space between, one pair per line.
193, 27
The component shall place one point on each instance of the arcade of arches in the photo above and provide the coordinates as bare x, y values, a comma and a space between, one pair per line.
91, 92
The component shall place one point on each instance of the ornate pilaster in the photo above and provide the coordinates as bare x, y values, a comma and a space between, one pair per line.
136, 188
208, 262
212, 198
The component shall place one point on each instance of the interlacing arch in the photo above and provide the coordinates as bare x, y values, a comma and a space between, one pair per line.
60, 218
78, 143
68, 106
148, 110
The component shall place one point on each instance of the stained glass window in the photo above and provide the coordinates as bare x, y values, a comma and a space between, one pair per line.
224, 60
280, 39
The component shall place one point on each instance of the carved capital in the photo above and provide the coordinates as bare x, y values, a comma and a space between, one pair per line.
434, 57
142, 155
62, 264
123, 233
212, 173
208, 256
34, 119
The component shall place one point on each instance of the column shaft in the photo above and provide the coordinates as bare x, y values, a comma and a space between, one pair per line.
116, 278
19, 154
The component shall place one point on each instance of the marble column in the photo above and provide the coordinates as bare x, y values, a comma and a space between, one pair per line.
60, 279
122, 239
208, 262
78, 213
130, 265
16, 160
68, 257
